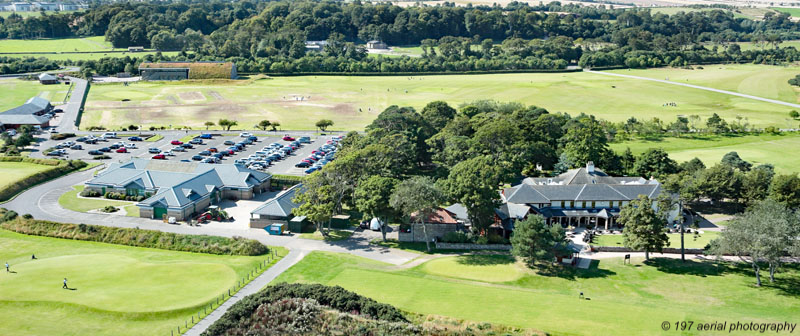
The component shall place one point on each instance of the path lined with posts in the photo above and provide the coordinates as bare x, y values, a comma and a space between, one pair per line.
774, 101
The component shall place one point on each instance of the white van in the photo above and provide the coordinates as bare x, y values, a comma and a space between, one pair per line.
109, 135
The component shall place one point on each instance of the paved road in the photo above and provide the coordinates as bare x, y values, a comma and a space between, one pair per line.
697, 87
73, 106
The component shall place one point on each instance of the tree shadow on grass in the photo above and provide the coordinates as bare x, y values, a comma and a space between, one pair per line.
701, 268
568, 272
485, 259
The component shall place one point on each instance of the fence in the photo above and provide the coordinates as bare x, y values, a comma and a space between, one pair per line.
669, 250
272, 258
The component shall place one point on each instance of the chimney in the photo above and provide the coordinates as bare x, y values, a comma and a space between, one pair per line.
590, 167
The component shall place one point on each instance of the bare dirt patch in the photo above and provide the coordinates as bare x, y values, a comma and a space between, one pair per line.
216, 95
195, 95
344, 109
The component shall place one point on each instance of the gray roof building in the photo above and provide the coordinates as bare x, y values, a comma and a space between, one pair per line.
280, 206
30, 113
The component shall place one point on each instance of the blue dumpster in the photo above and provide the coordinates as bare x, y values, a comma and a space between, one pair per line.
275, 229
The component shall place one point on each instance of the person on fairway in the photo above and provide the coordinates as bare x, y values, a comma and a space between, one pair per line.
65, 284
7, 268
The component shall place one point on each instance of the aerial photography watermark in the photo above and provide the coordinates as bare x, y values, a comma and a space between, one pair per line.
730, 326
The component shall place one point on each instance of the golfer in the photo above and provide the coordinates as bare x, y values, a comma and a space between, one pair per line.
65, 284
7, 268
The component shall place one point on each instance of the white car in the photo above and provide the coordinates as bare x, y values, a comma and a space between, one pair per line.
244, 134
130, 146
168, 153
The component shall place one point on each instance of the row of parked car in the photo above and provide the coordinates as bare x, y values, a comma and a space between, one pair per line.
262, 159
321, 156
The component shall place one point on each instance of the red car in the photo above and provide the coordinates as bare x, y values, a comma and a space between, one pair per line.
122, 150
159, 157
288, 138
212, 150
176, 142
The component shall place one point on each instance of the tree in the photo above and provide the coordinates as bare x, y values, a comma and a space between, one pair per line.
263, 124
275, 125
786, 189
417, 197
732, 159
654, 162
473, 183
794, 114
586, 141
372, 197
692, 166
765, 232
209, 124
323, 124
437, 114
756, 182
644, 228
227, 124
720, 182
535, 241
316, 200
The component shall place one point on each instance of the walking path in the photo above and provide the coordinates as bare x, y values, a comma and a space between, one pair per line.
697, 87
253, 287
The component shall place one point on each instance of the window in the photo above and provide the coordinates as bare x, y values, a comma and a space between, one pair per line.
593, 205
571, 204
562, 204
583, 204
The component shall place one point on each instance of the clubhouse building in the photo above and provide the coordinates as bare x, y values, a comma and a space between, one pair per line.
34, 113
579, 197
179, 189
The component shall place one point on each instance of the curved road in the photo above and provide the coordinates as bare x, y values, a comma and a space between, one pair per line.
697, 87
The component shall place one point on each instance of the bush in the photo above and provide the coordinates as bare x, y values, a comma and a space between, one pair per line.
97, 128
456, 238
90, 193
60, 168
61, 136
334, 297
27, 216
109, 209
9, 215
101, 157
138, 237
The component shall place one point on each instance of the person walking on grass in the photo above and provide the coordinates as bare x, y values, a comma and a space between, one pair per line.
65, 284
7, 268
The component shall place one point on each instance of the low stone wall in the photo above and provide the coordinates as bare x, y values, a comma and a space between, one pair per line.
456, 246
669, 250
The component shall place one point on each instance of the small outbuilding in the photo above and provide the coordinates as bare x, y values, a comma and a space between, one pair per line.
374, 44
46, 78
135, 49
277, 210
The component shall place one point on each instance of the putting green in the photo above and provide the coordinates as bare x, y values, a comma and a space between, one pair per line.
489, 268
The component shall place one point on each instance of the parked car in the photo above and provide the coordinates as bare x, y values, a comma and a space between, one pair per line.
196, 141
122, 150
169, 153
178, 149
76, 147
57, 152
206, 136
244, 134
252, 138
186, 145
81, 139
213, 149
302, 164
109, 135
159, 157
105, 149
287, 138
218, 155
306, 140
184, 160
153, 150
311, 170
95, 152
134, 138
204, 153
210, 160
197, 157
130, 146
229, 142
176, 142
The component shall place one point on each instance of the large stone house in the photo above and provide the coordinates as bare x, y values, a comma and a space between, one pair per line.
179, 189
579, 197
439, 223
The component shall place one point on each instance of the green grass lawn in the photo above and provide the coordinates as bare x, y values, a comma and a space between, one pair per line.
354, 101
690, 241
759, 80
95, 43
14, 171
117, 290
71, 201
91, 55
757, 149
15, 92
6, 14
333, 235
189, 137
154, 138
794, 12
624, 299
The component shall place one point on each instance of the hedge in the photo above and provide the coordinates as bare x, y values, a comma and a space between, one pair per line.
400, 73
335, 297
285, 181
138, 237
60, 168
61, 136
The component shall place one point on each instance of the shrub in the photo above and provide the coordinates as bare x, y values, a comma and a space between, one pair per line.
9, 215
101, 157
496, 239
138, 237
110, 208
90, 193
27, 216
61, 136
97, 128
455, 237
334, 297
482, 240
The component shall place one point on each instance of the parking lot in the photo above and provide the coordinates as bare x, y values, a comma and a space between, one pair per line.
283, 166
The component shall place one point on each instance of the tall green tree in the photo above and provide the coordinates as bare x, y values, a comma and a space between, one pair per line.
720, 182
535, 241
263, 124
316, 200
373, 197
644, 228
786, 189
654, 162
584, 141
227, 124
418, 198
756, 182
732, 159
209, 124
437, 114
323, 124
474, 184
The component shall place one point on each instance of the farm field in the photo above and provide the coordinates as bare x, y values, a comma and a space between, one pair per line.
15, 92
758, 80
492, 288
756, 149
116, 290
15, 171
94, 43
794, 12
747, 13
354, 101
674, 240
